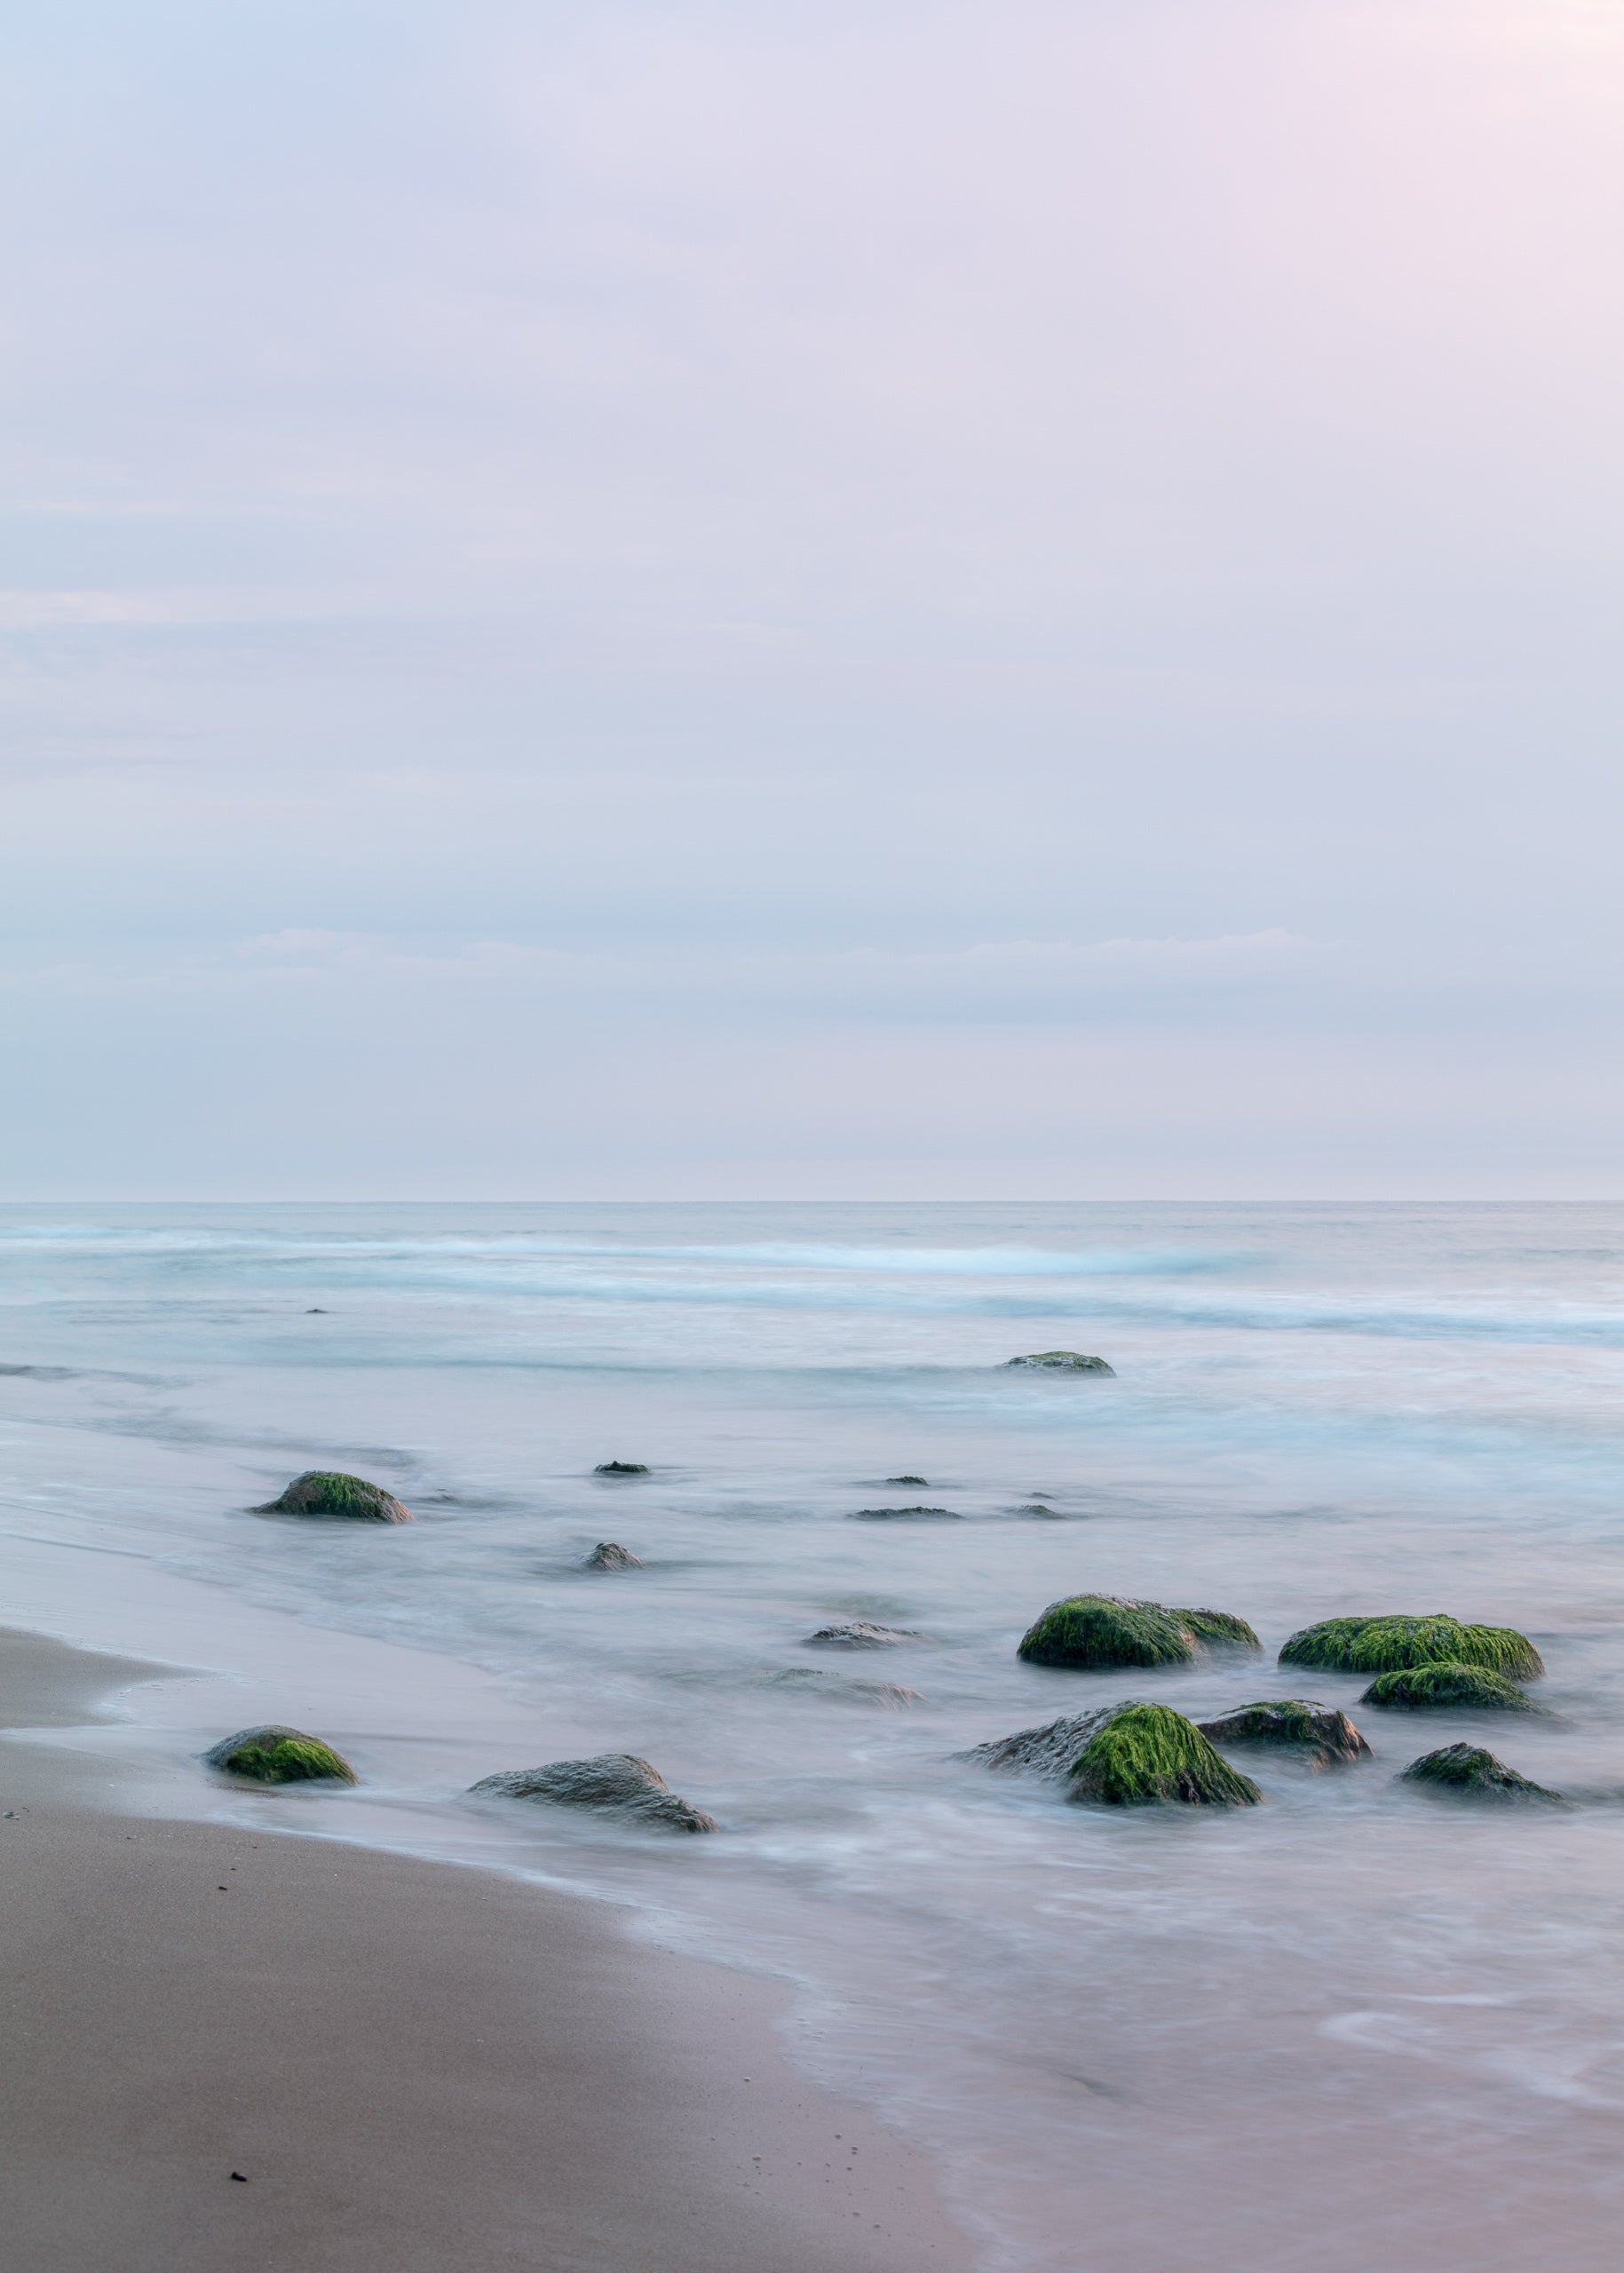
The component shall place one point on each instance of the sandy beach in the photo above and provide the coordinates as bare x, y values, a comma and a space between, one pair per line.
413, 2065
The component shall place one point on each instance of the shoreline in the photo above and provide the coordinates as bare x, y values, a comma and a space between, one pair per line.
413, 2063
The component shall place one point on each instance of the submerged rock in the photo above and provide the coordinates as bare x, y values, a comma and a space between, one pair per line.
861, 1633
620, 1468
612, 1779
906, 1516
1469, 1771
328, 1492
1319, 1734
1392, 1643
1441, 1688
922, 1481
1104, 1630
1128, 1755
1061, 1361
609, 1556
273, 1756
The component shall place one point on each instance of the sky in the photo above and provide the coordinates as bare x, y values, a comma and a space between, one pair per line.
675, 598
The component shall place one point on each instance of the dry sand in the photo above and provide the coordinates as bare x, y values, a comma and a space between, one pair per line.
418, 2069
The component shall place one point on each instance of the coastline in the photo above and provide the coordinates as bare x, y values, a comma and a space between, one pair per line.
413, 2063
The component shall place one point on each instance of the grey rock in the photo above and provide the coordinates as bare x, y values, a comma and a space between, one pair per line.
922, 1480
1061, 1361
612, 1779
906, 1516
620, 1468
1050, 1750
1319, 1734
861, 1635
608, 1556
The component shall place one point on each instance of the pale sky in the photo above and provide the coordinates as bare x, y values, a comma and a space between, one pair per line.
1007, 599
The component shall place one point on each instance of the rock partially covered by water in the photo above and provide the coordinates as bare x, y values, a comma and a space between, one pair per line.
273, 1756
1445, 1688
906, 1516
328, 1492
1390, 1644
620, 1468
861, 1633
1317, 1733
608, 1554
1061, 1361
1129, 1754
922, 1481
1107, 1630
1469, 1772
612, 1779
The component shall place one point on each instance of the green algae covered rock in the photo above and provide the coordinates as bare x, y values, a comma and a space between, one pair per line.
1469, 1772
328, 1492
1148, 1753
1317, 1733
1107, 1630
1390, 1644
1446, 1687
281, 1756
1060, 1361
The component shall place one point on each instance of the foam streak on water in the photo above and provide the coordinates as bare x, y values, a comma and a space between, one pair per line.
1348, 2026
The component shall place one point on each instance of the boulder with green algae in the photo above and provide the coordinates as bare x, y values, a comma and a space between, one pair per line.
1389, 1644
1108, 1630
1060, 1361
1469, 1772
610, 1779
281, 1756
1446, 1687
328, 1492
1317, 1734
1128, 1754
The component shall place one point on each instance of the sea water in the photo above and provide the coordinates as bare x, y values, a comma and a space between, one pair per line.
1351, 2025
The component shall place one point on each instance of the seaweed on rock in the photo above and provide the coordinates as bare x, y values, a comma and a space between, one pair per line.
1447, 1686
329, 1492
1107, 1630
1148, 1753
1389, 1644
275, 1755
1469, 1772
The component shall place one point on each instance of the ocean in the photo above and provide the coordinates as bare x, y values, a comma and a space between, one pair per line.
1348, 2025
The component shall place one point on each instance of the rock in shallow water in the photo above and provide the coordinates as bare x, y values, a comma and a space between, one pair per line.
1130, 1755
329, 1492
906, 1516
620, 1468
610, 1779
1104, 1630
275, 1755
1061, 1361
1390, 1644
1469, 1772
1447, 1688
1317, 1733
608, 1554
861, 1635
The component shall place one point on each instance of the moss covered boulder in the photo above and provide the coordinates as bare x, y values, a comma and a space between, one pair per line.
1447, 1687
1148, 1753
1104, 1631
329, 1492
1317, 1734
281, 1756
1390, 1644
609, 1554
1060, 1361
1128, 1755
1469, 1772
617, 1780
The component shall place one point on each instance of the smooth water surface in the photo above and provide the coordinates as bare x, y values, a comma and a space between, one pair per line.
1343, 2027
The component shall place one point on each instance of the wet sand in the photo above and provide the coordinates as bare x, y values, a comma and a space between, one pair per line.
415, 2067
